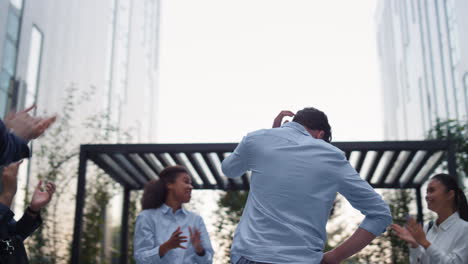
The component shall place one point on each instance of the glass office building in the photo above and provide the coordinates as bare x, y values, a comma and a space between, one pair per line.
108, 46
424, 63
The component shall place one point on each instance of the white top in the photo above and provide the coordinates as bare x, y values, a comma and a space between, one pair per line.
449, 243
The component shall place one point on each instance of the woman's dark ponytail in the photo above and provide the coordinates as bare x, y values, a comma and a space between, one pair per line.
155, 191
460, 199
462, 205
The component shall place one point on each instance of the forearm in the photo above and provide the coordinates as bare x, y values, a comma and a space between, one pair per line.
163, 249
6, 199
360, 239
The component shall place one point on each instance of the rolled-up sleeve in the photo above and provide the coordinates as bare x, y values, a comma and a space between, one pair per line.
27, 225
205, 238
236, 164
145, 249
12, 148
364, 198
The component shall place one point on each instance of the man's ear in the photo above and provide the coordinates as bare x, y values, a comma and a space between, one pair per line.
321, 134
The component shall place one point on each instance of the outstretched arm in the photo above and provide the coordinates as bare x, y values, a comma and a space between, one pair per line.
359, 240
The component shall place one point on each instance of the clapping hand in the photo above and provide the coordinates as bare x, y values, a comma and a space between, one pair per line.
403, 233
26, 126
195, 238
41, 198
416, 230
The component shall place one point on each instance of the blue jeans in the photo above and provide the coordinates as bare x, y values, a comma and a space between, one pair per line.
246, 261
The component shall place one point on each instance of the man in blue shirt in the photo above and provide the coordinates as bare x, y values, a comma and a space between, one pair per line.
296, 174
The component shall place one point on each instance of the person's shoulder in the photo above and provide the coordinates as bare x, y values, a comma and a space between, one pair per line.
260, 132
328, 147
193, 215
463, 225
148, 213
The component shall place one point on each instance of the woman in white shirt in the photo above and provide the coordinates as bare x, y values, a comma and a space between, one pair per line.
446, 239
165, 232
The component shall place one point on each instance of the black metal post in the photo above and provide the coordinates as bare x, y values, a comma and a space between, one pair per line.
124, 227
419, 204
80, 203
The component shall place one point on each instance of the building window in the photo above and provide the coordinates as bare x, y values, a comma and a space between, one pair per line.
34, 63
18, 4
10, 53
9, 58
13, 24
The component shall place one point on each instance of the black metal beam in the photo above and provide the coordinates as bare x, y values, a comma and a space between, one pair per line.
221, 182
402, 170
431, 170
360, 161
419, 205
149, 162
114, 173
124, 227
347, 154
137, 166
206, 183
124, 164
231, 184
79, 207
375, 164
388, 168
419, 167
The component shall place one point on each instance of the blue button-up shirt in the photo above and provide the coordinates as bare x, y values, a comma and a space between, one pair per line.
294, 182
155, 226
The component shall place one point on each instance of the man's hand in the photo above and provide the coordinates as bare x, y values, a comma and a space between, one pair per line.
174, 241
25, 126
195, 238
279, 118
10, 183
330, 258
41, 198
416, 230
404, 234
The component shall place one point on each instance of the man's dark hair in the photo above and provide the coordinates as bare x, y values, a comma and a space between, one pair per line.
313, 118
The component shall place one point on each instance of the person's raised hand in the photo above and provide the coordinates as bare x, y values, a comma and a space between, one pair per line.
10, 183
41, 197
417, 231
195, 238
279, 118
174, 241
26, 126
404, 234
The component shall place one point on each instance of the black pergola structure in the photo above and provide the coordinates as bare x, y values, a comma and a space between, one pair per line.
387, 164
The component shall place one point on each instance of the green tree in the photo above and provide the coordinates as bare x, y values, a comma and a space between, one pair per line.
56, 160
231, 206
457, 132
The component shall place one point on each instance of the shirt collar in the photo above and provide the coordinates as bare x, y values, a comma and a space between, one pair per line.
166, 209
449, 221
296, 126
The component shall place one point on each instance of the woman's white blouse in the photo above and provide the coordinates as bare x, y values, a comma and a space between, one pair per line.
155, 226
449, 243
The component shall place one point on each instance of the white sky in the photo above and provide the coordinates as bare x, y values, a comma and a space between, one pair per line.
228, 67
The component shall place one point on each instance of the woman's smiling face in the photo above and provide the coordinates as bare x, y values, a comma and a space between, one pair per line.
181, 189
437, 196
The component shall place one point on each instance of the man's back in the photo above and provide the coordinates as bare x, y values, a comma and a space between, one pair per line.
294, 182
